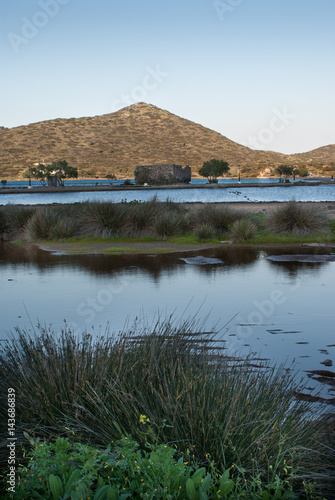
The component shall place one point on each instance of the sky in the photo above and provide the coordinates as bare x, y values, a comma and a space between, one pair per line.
260, 72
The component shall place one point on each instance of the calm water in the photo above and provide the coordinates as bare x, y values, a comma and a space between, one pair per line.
277, 310
287, 193
105, 182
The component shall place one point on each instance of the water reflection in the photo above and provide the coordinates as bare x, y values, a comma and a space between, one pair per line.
154, 265
278, 310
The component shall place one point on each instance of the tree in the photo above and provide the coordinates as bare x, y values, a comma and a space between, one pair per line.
60, 170
4, 182
301, 171
213, 169
284, 170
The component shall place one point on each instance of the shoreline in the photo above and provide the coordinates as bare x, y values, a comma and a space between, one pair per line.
85, 189
157, 248
126, 247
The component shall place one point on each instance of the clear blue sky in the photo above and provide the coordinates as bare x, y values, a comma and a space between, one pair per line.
260, 72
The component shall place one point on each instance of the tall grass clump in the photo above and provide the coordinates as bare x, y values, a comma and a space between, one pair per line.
142, 215
297, 219
40, 226
65, 227
204, 232
168, 224
3, 222
97, 388
220, 218
17, 217
104, 219
243, 230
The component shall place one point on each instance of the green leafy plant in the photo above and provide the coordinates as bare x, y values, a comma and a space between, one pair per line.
65, 469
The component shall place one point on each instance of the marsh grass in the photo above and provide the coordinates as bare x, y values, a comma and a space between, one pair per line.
153, 220
297, 219
103, 219
142, 214
204, 232
220, 218
17, 217
194, 396
40, 225
168, 224
243, 230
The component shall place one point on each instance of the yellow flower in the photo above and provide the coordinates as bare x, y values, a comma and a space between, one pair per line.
144, 419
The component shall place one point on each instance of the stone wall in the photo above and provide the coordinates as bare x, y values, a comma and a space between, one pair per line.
162, 174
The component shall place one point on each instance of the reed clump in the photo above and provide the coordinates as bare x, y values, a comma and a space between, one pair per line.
297, 219
195, 397
243, 230
220, 218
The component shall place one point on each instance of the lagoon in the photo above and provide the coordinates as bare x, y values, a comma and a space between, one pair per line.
280, 311
323, 192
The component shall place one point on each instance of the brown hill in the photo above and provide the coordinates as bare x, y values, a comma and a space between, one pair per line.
139, 134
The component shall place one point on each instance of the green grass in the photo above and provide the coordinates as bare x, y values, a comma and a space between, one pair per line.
266, 237
185, 239
118, 239
94, 223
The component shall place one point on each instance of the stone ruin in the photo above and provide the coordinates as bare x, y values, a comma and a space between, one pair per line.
162, 174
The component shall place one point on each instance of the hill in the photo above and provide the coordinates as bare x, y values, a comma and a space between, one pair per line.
140, 134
